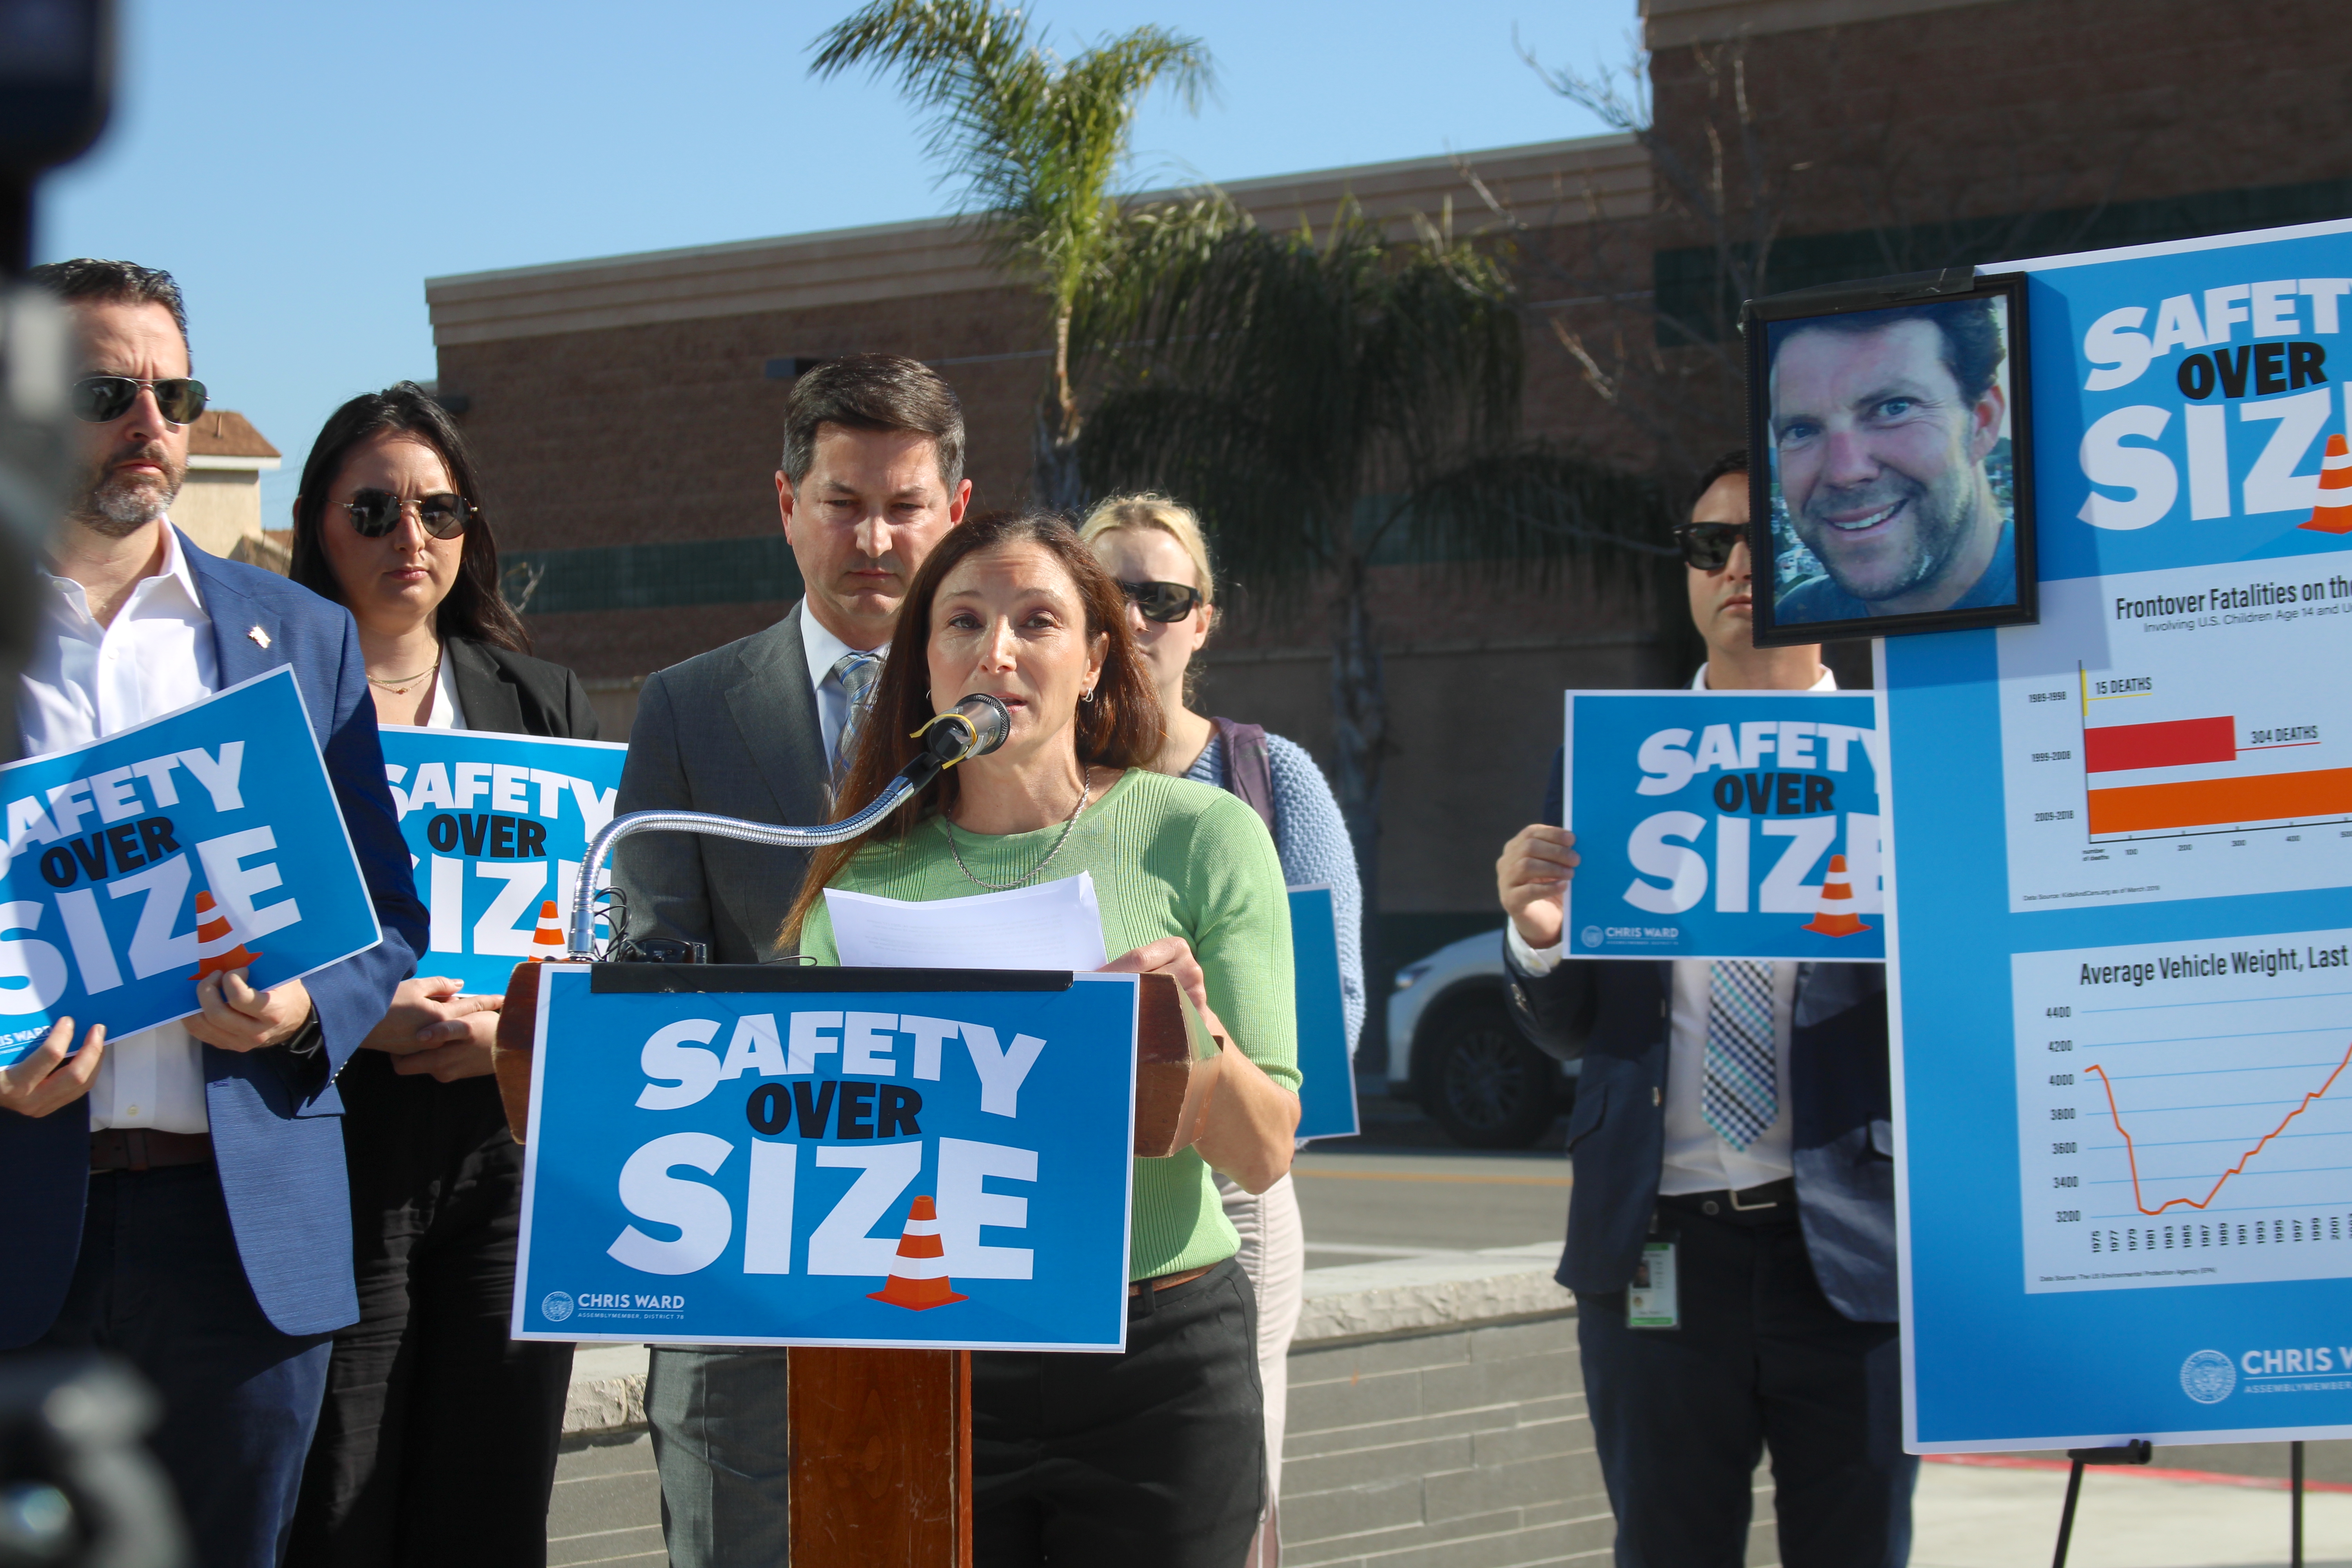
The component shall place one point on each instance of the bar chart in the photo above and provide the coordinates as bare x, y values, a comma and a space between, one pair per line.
2138, 761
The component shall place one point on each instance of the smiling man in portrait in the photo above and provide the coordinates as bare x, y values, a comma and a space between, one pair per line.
1881, 426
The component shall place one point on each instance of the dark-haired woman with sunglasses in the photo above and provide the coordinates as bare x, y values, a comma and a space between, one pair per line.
437, 1441
1155, 550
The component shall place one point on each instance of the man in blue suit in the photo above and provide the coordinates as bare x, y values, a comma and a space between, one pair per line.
177, 1196
1732, 1150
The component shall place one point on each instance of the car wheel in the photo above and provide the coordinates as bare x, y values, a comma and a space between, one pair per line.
1481, 1080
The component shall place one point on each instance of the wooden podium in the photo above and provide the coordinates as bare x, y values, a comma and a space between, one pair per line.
881, 1439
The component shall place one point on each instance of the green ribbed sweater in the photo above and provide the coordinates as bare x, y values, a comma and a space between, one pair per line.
1170, 857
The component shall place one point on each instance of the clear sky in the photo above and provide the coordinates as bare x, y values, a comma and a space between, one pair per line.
302, 168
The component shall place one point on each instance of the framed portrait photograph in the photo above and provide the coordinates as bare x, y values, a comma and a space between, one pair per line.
1890, 456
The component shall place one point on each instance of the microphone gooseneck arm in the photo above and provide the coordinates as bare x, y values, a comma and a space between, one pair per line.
974, 727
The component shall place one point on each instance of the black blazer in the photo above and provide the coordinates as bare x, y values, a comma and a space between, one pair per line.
1613, 1015
515, 694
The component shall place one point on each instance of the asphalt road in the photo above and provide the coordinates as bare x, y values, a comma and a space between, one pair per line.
1404, 1189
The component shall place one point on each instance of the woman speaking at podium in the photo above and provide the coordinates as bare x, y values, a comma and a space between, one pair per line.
436, 1442
1154, 1457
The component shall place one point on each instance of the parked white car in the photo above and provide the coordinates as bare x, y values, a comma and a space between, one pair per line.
1454, 1048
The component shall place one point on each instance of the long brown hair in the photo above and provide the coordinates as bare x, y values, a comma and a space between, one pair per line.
474, 606
1120, 728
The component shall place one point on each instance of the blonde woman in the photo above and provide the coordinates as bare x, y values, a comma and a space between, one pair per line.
1155, 550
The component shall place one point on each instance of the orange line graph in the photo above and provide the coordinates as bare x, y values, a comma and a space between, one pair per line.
2132, 1155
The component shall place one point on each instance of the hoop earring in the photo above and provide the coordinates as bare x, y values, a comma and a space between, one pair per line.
1087, 696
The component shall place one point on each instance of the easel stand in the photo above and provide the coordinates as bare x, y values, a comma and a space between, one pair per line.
2137, 1452
2294, 1501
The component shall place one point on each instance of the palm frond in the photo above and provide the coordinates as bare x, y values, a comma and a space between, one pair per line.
1036, 143
1278, 381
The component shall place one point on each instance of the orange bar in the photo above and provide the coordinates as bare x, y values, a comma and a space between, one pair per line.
2210, 802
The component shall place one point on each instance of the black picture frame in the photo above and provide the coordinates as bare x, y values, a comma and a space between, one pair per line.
1782, 561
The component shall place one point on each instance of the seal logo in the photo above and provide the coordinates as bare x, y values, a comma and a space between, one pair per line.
2208, 1377
555, 1306
1592, 935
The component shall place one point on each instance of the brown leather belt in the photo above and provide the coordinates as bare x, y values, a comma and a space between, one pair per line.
1167, 1281
144, 1149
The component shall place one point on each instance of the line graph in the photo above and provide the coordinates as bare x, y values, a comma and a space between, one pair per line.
2131, 1152
2185, 1111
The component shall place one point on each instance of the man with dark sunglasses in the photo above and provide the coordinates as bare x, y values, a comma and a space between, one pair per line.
177, 1196
1786, 1335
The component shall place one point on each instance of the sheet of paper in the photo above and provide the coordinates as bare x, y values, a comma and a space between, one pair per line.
1055, 925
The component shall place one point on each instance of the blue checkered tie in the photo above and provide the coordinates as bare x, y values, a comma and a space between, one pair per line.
1742, 1097
857, 673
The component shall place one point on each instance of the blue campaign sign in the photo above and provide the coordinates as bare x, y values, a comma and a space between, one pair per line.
498, 825
2119, 959
1725, 824
207, 839
829, 1168
1326, 1088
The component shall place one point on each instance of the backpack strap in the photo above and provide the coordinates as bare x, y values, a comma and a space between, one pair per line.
1249, 770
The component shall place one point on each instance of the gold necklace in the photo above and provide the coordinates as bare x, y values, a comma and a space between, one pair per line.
398, 684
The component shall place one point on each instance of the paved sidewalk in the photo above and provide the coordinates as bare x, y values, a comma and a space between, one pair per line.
1982, 1516
608, 1509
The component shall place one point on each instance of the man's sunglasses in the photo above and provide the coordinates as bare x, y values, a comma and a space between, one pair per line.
375, 512
1162, 602
101, 399
1707, 546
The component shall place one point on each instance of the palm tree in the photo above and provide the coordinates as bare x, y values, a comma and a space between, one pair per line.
1038, 143
1321, 397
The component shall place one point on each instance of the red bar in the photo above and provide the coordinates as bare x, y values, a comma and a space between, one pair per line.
2119, 747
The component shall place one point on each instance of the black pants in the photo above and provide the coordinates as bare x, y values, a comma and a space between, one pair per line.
1761, 1360
159, 1283
1152, 1459
436, 1444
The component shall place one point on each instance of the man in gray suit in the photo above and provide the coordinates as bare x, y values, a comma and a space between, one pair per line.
872, 479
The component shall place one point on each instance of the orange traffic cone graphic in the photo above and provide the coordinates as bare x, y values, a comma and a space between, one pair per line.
547, 941
2333, 512
1837, 917
218, 948
920, 1279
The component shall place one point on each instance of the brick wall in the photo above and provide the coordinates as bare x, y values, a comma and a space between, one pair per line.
1462, 1448
1996, 108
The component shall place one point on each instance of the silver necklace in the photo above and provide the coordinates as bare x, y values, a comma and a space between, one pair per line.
1086, 788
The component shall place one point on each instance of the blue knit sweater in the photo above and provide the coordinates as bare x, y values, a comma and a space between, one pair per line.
1312, 840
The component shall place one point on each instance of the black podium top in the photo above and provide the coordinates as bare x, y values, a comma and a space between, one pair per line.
640, 979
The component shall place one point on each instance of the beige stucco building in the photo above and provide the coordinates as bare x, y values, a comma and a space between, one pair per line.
219, 505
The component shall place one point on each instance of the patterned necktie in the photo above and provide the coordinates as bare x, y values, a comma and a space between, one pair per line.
1742, 1095
857, 673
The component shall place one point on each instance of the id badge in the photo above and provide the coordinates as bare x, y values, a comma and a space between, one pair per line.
1652, 1300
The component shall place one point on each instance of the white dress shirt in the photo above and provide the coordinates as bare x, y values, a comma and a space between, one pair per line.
86, 682
447, 714
824, 651
1696, 1158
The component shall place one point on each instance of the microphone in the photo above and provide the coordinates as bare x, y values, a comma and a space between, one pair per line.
974, 727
